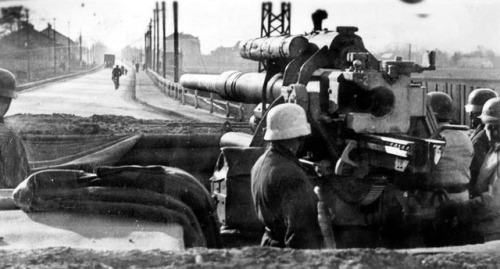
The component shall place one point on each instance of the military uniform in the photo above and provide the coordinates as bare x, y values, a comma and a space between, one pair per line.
481, 148
483, 212
14, 167
285, 201
452, 172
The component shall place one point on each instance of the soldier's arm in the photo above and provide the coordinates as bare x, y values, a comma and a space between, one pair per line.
300, 216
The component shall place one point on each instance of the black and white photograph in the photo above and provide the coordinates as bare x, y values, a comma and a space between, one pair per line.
249, 134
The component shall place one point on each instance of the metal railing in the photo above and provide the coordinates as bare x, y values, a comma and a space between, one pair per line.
34, 84
193, 98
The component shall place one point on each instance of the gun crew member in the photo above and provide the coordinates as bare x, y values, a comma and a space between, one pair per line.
484, 210
283, 196
452, 173
14, 167
480, 142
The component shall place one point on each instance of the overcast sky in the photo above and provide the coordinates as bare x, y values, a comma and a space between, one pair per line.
450, 25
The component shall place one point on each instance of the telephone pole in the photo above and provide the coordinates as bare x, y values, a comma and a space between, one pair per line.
80, 47
176, 45
55, 56
157, 38
69, 50
164, 42
28, 42
153, 42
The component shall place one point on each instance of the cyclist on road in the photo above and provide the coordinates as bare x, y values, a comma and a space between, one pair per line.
116, 73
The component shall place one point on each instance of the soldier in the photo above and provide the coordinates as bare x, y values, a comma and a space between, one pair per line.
483, 210
14, 167
283, 196
115, 76
452, 172
450, 177
480, 142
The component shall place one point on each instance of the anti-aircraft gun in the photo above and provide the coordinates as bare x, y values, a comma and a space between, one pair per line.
368, 119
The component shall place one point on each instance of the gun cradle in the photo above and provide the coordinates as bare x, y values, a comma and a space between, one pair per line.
394, 152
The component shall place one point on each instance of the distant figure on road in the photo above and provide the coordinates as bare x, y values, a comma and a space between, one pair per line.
14, 167
115, 76
137, 67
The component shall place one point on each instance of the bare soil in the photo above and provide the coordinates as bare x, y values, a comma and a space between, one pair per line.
67, 124
247, 257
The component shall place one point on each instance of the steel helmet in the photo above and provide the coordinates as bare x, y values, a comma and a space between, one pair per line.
491, 111
286, 121
442, 105
477, 98
7, 84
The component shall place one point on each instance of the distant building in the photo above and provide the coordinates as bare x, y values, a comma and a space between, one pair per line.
475, 62
190, 59
65, 42
228, 58
28, 50
15, 46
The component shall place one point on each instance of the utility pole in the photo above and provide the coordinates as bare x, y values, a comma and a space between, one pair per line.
150, 45
176, 45
409, 52
153, 42
69, 50
55, 56
157, 38
28, 42
80, 47
164, 42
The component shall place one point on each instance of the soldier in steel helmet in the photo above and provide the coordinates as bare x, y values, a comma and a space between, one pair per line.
477, 99
450, 176
483, 211
14, 166
452, 172
283, 196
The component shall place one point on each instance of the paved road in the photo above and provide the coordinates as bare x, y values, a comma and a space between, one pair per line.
86, 96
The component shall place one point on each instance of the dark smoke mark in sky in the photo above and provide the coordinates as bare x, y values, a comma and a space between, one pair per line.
412, 1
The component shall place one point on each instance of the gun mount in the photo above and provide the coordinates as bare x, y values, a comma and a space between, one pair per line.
363, 112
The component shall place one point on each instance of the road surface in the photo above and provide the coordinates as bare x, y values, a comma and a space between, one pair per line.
86, 96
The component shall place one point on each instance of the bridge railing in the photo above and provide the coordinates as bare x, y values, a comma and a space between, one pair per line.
205, 101
34, 84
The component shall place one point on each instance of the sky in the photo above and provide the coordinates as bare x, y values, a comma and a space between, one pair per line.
448, 25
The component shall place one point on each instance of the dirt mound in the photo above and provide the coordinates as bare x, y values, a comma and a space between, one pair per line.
254, 257
66, 124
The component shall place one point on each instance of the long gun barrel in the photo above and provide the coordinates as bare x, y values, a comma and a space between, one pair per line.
235, 86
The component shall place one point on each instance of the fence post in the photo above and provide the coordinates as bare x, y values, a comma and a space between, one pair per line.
427, 87
437, 87
240, 112
176, 93
195, 98
228, 113
446, 88
211, 102
183, 97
